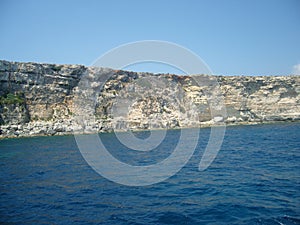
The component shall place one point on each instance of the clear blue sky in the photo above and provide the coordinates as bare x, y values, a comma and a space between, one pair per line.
234, 37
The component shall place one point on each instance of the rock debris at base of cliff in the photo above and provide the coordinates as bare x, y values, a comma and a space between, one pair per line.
50, 99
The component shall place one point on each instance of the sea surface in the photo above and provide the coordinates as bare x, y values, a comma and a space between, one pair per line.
255, 179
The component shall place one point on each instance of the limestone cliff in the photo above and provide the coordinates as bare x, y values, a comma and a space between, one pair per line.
42, 99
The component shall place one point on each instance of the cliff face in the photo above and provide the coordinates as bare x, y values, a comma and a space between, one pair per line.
42, 99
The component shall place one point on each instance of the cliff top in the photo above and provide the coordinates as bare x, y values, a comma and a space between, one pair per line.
34, 67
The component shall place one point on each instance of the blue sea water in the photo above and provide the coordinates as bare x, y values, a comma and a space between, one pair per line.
255, 179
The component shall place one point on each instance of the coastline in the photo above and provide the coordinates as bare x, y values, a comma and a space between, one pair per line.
42, 100
142, 130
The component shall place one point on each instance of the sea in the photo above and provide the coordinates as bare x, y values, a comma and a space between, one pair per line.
254, 179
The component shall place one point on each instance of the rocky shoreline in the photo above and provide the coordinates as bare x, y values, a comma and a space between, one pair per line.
47, 99
48, 129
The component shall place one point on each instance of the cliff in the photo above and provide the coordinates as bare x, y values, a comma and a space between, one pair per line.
43, 99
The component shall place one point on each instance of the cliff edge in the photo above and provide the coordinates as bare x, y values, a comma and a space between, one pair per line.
41, 99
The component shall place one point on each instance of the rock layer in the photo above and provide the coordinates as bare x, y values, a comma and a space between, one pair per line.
47, 99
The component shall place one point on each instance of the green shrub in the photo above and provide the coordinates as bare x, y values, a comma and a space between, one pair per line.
11, 99
57, 67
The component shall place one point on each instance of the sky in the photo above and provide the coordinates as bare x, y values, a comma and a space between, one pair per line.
233, 37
